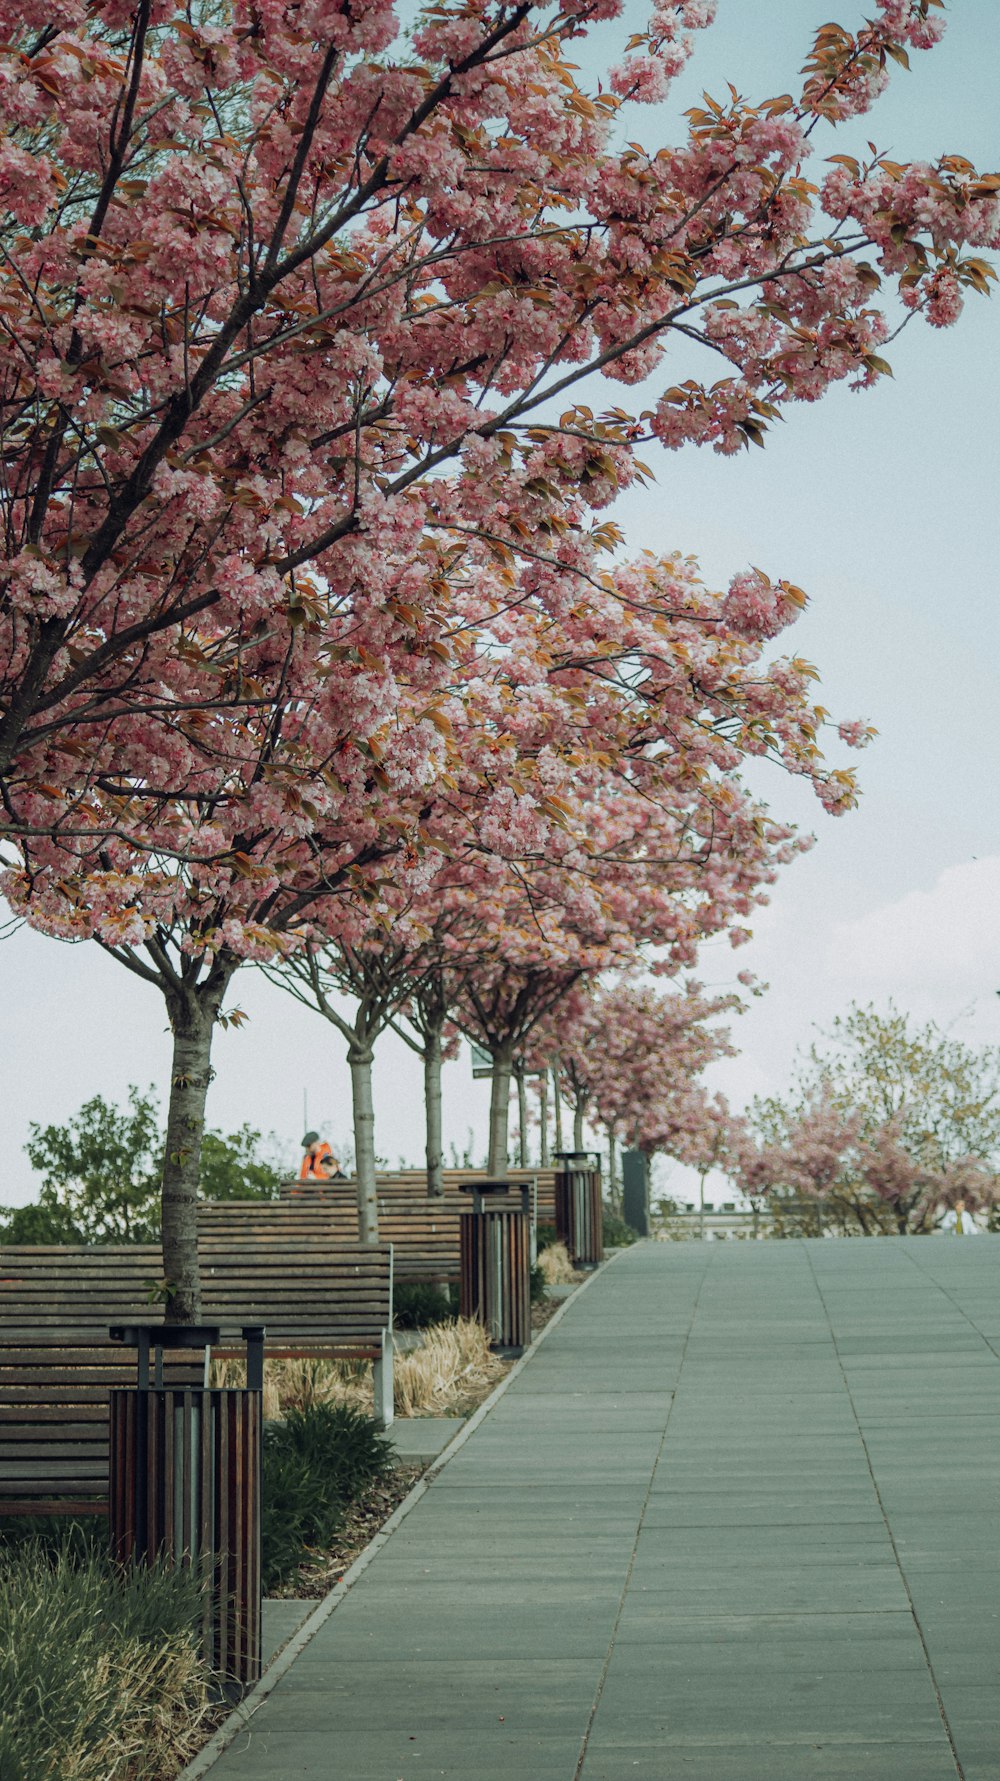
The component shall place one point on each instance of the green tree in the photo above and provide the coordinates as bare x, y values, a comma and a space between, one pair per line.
238, 1167
44, 1221
942, 1096
100, 1171
101, 1174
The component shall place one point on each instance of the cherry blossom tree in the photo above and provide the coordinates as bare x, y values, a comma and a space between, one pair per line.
379, 969
290, 314
296, 308
631, 1054
300, 832
888, 1126
592, 750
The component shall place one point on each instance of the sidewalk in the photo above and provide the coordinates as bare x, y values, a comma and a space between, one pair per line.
738, 1519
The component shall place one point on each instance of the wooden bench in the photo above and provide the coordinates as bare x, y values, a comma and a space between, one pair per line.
423, 1231
316, 1297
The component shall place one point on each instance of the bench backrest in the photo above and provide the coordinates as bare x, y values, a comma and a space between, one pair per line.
409, 1186
54, 1414
260, 1264
424, 1231
284, 1267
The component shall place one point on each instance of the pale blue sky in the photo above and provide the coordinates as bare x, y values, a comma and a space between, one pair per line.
884, 508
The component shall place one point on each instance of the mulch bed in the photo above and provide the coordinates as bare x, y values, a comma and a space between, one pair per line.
364, 1519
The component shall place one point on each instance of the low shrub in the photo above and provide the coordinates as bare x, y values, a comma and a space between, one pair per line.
100, 1673
317, 1462
417, 1305
451, 1370
55, 1534
545, 1236
616, 1233
537, 1284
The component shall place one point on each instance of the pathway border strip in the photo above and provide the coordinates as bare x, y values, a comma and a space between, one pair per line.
241, 1715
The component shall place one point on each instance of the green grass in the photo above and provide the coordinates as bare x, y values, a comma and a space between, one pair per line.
100, 1673
616, 1233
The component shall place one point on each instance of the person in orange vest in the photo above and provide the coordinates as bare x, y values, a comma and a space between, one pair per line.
319, 1162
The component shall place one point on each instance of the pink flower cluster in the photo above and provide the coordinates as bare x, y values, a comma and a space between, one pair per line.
756, 607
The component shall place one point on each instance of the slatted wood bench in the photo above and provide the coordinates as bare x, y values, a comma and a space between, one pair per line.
319, 1294
57, 1367
424, 1231
317, 1298
541, 1182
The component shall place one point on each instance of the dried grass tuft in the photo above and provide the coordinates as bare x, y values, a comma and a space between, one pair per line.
556, 1267
451, 1371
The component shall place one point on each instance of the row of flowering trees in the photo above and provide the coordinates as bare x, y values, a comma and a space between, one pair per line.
317, 649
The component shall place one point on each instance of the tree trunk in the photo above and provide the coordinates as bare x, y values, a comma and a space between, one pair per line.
522, 1117
496, 1162
578, 1126
613, 1193
432, 1103
543, 1114
557, 1103
360, 1059
192, 1010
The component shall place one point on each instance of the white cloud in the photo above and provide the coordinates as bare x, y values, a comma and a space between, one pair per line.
936, 952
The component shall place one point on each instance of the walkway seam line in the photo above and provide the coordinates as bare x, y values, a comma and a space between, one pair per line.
581, 1759
952, 1301
239, 1719
878, 1497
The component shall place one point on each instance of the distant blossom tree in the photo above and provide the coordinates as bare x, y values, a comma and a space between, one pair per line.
889, 1126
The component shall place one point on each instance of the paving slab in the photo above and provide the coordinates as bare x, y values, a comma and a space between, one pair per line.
280, 1619
735, 1520
417, 1440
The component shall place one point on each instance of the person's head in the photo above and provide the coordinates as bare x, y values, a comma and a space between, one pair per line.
310, 1140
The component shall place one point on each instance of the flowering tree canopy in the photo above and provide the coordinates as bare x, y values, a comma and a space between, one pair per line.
294, 308
889, 1125
630, 1054
296, 313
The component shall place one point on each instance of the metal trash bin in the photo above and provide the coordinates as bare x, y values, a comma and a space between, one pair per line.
579, 1206
185, 1485
495, 1242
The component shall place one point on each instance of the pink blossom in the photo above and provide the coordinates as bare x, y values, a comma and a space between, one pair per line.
756, 607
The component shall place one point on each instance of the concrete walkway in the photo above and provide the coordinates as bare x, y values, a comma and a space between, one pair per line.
738, 1519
